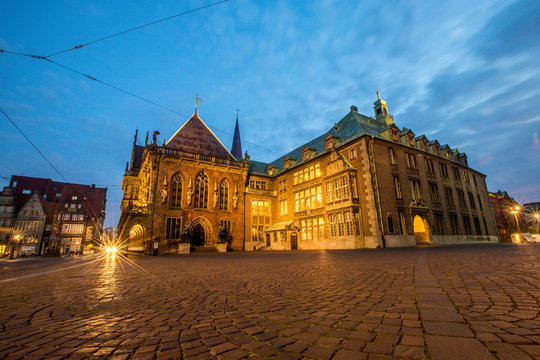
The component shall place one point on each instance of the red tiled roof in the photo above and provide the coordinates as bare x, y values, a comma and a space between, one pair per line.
195, 137
95, 197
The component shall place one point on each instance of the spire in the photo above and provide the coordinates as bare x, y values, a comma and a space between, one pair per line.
197, 99
236, 148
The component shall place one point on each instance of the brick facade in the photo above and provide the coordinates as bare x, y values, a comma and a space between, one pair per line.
365, 183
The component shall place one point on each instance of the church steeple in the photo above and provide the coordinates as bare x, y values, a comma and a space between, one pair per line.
236, 148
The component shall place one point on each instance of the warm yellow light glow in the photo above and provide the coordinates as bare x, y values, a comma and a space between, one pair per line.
111, 250
419, 225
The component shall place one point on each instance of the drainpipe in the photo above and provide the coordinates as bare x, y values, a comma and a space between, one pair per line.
381, 223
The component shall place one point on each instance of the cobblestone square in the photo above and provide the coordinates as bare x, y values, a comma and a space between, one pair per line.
460, 302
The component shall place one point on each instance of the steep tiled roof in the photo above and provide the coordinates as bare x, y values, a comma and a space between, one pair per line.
57, 192
257, 167
350, 126
195, 137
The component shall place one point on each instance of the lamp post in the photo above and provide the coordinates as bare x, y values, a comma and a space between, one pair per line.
537, 218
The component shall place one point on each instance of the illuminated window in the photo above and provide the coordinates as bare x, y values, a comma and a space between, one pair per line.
283, 209
74, 197
402, 224
307, 199
338, 189
312, 229
411, 161
397, 188
352, 153
257, 184
260, 218
176, 191
349, 228
466, 177
223, 195
416, 193
340, 225
201, 191
283, 185
392, 156
26, 191
306, 174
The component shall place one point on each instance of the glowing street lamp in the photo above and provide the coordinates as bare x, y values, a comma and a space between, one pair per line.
515, 210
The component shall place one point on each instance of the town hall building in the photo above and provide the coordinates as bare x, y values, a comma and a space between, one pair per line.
364, 183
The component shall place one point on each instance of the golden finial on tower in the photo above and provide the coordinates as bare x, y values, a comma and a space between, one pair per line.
197, 99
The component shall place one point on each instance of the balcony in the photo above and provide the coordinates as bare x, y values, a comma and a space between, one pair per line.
201, 157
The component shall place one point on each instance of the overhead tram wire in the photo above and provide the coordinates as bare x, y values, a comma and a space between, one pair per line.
90, 77
136, 28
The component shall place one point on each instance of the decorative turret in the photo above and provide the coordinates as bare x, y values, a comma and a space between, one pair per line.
236, 149
133, 149
381, 111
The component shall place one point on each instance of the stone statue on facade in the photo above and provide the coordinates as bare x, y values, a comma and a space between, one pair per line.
215, 195
235, 197
189, 192
164, 191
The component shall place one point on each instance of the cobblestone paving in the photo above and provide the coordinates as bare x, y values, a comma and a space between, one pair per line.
467, 302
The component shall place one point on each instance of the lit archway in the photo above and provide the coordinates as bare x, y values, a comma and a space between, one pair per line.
422, 233
136, 239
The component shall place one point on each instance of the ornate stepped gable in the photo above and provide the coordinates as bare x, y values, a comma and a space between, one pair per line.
195, 137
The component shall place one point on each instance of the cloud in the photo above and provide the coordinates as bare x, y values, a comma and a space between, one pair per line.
512, 31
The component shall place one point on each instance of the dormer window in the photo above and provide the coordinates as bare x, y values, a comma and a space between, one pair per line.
74, 197
286, 163
329, 142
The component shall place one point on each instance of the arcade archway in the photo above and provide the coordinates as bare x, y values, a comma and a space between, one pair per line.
422, 233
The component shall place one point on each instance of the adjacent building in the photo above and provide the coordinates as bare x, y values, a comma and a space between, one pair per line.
364, 183
48, 215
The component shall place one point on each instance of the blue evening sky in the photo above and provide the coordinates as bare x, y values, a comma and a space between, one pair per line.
464, 72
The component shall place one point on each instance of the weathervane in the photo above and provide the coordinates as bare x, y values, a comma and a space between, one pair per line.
237, 110
378, 97
197, 99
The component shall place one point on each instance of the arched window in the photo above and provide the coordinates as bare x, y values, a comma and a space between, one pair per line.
223, 195
176, 191
201, 191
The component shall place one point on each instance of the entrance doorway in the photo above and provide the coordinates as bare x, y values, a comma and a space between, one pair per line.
421, 230
198, 235
294, 241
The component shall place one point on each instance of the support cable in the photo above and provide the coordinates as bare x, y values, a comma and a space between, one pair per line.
136, 28
90, 77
